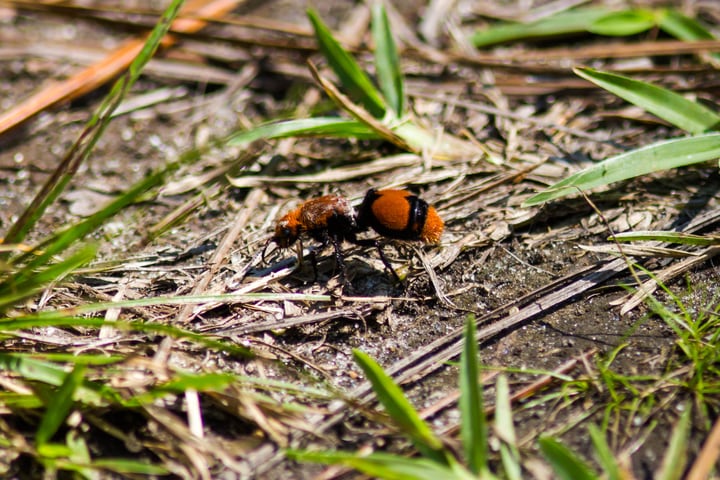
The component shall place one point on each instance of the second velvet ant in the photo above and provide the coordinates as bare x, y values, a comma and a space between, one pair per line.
396, 214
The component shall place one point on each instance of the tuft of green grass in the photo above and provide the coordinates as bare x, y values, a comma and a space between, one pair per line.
25, 273
376, 112
684, 114
697, 333
352, 77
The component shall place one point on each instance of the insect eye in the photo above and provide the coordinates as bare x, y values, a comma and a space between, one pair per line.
285, 237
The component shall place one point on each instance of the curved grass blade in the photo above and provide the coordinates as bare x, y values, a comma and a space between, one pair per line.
385, 465
442, 147
472, 413
351, 76
63, 239
49, 373
652, 158
668, 105
682, 27
623, 23
28, 282
668, 237
686, 28
58, 406
605, 456
116, 465
675, 457
566, 464
509, 452
306, 127
572, 21
387, 61
56, 319
400, 410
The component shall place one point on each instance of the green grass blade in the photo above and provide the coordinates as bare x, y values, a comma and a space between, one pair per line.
666, 104
623, 23
387, 61
472, 414
59, 406
605, 456
183, 381
566, 464
572, 21
17, 401
652, 158
92, 131
48, 373
47, 319
116, 465
400, 410
78, 359
685, 28
675, 457
509, 453
353, 79
79, 452
125, 465
33, 369
51, 451
385, 465
668, 237
63, 239
50, 315
306, 127
28, 281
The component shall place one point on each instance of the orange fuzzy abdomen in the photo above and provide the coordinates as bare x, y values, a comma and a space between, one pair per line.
400, 214
433, 228
392, 209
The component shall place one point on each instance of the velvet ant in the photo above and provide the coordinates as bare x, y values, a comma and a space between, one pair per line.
396, 214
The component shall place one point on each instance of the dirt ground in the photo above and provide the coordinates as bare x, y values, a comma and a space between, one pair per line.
493, 253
